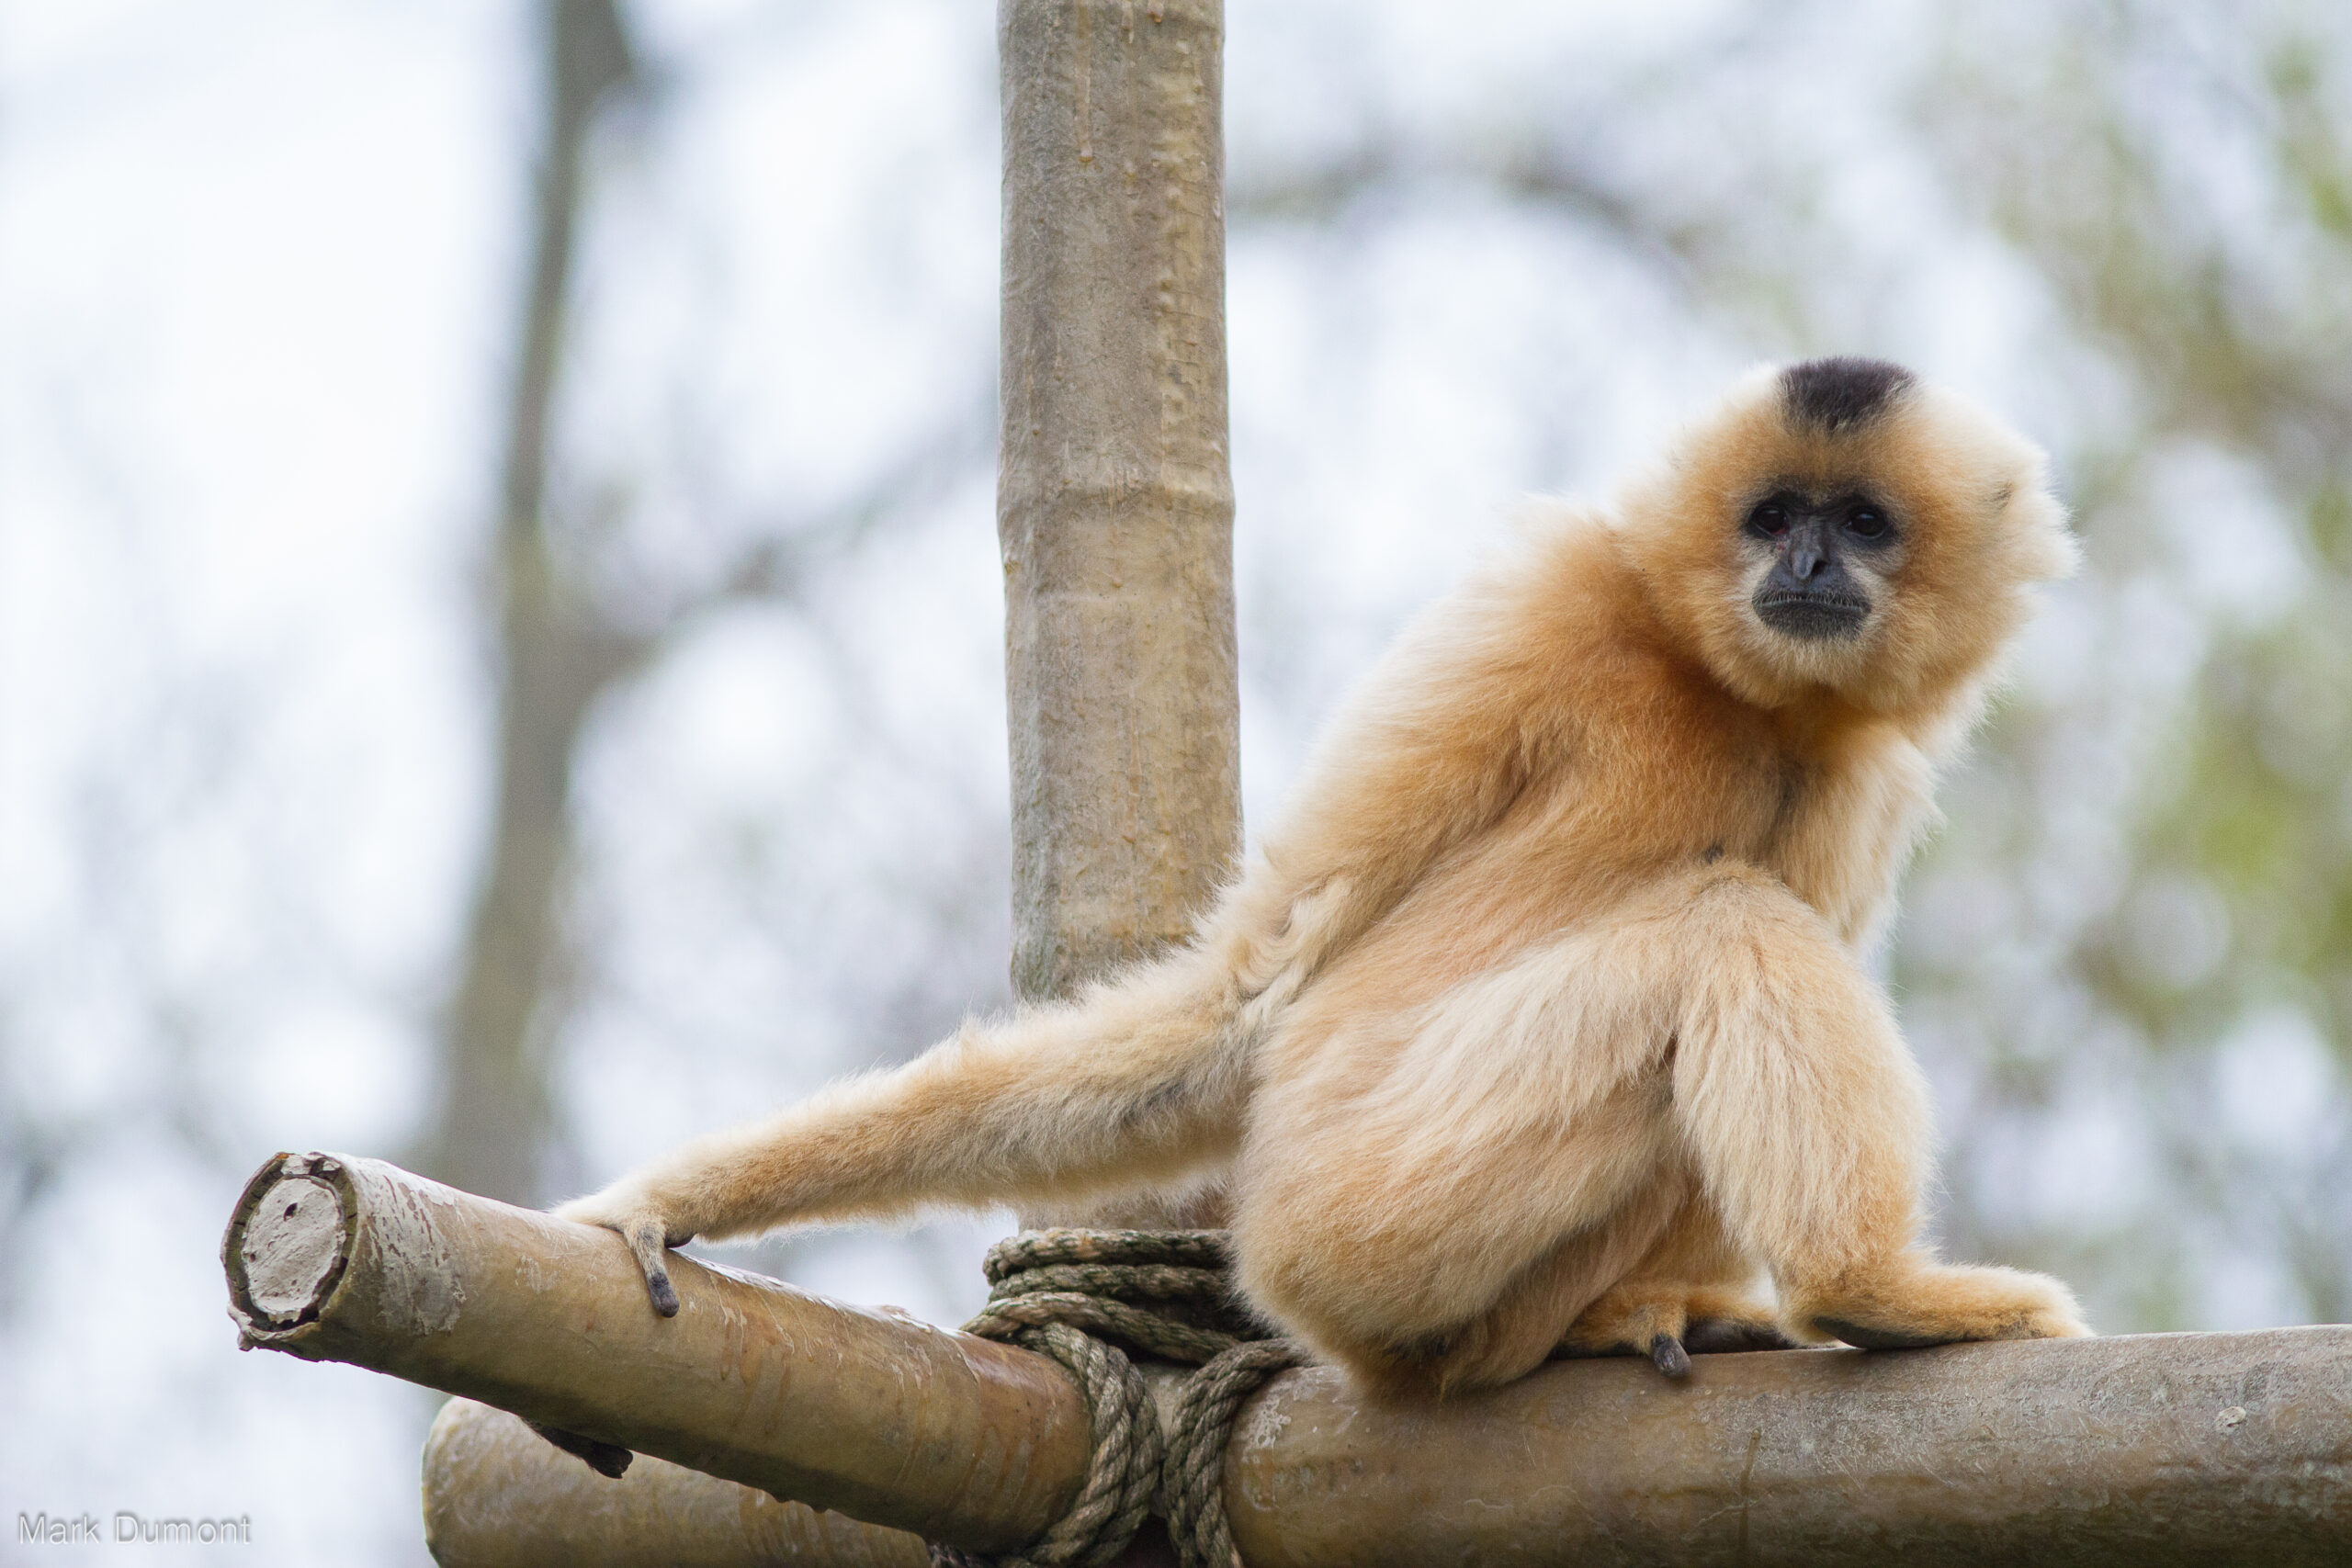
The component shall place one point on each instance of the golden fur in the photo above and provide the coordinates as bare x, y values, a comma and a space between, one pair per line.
1538, 1023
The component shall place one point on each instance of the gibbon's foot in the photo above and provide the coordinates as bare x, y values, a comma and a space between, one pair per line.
1731, 1337
1671, 1324
648, 1237
1919, 1304
609, 1459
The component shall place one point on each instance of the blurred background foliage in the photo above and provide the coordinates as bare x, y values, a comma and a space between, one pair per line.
498, 619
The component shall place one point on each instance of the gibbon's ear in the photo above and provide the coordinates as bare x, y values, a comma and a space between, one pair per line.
1842, 526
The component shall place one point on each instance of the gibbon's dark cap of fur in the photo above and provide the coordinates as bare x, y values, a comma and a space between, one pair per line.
1842, 393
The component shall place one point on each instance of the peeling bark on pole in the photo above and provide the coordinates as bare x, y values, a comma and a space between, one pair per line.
874, 1413
1115, 499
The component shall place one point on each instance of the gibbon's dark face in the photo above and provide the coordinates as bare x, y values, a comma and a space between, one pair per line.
1832, 541
1842, 525
1823, 546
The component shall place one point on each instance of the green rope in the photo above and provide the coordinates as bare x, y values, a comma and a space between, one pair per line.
1078, 1295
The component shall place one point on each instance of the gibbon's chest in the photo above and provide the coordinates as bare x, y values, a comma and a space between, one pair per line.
1833, 816
1845, 826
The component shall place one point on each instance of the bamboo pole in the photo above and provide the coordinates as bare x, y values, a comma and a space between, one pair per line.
871, 1411
2170, 1450
2152, 1451
1115, 496
499, 1495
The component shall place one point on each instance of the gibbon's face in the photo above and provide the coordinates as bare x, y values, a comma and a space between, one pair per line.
1840, 523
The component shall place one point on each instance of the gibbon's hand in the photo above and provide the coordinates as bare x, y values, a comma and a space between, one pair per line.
639, 1221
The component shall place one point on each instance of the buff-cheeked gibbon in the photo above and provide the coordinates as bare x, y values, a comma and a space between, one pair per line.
1540, 1025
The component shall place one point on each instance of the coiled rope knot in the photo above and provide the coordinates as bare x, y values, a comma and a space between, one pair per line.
1069, 1294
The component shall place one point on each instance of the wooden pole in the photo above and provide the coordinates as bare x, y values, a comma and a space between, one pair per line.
1115, 496
2170, 1450
2151, 1452
499, 1495
871, 1411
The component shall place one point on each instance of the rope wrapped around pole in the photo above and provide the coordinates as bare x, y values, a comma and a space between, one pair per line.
1167, 1293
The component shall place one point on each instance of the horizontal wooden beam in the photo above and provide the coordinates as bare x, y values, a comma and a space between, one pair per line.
874, 1413
2148, 1450
2140, 1451
499, 1495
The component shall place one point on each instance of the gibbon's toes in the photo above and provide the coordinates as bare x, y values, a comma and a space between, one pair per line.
1872, 1337
1671, 1324
1734, 1336
605, 1459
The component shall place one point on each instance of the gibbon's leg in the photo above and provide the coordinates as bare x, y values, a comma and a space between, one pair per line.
1430, 1193
1692, 1295
1809, 1125
1137, 1083
1447, 1350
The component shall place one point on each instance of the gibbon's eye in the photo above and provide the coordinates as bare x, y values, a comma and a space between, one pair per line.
1866, 522
1771, 518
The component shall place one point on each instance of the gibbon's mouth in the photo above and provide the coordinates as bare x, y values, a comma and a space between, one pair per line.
1814, 617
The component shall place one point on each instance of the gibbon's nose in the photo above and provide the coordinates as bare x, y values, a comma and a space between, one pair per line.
1805, 554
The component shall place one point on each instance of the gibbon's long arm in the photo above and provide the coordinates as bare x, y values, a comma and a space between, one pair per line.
1144, 1078
1131, 1083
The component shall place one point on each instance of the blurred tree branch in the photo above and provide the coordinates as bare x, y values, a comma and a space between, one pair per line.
555, 655
1527, 170
561, 645
2178, 175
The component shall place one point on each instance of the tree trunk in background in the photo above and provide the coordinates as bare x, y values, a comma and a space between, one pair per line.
491, 1125
1115, 498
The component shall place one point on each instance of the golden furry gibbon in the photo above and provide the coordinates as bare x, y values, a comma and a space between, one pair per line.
1538, 1025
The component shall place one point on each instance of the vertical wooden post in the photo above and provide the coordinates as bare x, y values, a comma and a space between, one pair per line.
1115, 496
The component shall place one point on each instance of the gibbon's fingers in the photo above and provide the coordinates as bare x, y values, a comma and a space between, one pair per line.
1910, 1302
1667, 1355
646, 1239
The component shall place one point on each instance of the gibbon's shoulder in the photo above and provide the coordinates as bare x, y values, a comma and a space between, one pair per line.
1555, 610
1559, 583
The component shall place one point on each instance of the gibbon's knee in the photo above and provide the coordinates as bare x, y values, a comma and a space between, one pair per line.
1447, 1325
1805, 1113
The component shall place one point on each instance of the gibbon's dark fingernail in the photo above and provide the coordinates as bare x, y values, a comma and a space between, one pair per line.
665, 1295
1666, 1351
605, 1459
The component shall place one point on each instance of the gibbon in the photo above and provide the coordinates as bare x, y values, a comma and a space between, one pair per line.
1540, 1023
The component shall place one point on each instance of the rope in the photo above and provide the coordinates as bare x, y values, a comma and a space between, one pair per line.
1070, 1294
1193, 1479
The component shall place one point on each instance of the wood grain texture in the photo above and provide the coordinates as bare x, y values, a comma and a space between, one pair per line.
1114, 496
868, 1411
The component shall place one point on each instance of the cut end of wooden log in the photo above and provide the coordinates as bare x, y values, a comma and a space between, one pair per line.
287, 1246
